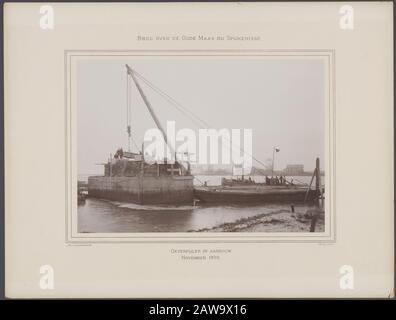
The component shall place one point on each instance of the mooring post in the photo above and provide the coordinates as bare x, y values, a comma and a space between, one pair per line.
317, 180
314, 217
111, 159
309, 187
142, 164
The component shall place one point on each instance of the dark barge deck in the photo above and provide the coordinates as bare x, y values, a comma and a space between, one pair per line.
254, 194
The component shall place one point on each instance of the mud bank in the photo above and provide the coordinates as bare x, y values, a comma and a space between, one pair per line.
277, 221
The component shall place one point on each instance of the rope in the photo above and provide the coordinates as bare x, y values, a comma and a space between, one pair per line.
134, 143
171, 100
196, 120
128, 115
302, 183
184, 110
199, 180
127, 104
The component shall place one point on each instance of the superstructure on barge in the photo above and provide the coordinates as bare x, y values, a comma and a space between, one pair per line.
132, 179
129, 177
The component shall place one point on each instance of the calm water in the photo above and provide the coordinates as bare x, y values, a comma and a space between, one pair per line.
98, 215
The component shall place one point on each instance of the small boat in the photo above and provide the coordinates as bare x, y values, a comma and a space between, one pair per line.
273, 190
243, 181
254, 194
81, 198
237, 182
81, 192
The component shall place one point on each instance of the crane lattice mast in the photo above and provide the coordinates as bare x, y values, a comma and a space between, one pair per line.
131, 73
129, 112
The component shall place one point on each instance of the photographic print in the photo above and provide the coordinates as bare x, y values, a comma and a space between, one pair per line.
201, 143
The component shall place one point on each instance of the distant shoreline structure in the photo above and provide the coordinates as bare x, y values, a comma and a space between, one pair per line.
228, 173
289, 171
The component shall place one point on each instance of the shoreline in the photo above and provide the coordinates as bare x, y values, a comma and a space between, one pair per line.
277, 221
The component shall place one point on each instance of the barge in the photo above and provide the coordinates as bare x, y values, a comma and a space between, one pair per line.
129, 177
134, 180
253, 195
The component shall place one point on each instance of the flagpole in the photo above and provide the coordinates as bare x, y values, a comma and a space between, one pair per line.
273, 159
274, 150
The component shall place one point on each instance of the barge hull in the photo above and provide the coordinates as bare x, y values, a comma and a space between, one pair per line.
143, 189
235, 197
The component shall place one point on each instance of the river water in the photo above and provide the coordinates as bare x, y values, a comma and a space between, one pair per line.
98, 215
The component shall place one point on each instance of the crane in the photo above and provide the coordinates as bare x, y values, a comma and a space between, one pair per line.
131, 73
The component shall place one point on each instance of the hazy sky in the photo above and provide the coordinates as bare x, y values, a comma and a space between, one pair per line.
281, 100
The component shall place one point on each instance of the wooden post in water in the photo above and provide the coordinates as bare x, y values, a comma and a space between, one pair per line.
309, 187
317, 179
319, 191
142, 165
314, 217
111, 158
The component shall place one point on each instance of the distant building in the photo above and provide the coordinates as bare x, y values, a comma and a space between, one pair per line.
211, 169
294, 169
260, 172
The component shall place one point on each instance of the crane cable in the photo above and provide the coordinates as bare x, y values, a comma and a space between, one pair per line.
198, 121
180, 107
129, 113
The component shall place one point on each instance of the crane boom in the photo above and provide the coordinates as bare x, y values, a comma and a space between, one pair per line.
149, 107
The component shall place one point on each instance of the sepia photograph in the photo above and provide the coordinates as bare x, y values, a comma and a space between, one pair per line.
201, 144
